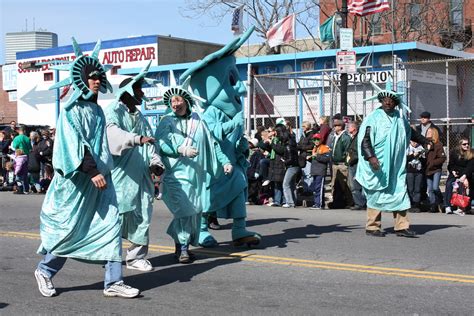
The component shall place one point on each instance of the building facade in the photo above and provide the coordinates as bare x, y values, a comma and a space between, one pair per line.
39, 106
8, 111
26, 41
444, 23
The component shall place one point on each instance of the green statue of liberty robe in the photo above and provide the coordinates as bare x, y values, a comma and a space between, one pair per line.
386, 188
131, 174
186, 181
78, 220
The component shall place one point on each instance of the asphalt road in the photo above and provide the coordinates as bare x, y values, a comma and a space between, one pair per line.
309, 263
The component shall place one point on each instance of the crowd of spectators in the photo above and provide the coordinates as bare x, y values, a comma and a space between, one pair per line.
287, 173
26, 159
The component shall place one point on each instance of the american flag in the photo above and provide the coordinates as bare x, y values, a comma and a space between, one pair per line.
366, 7
237, 23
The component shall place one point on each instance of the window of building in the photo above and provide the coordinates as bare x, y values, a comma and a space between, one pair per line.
415, 19
456, 13
114, 70
376, 23
48, 76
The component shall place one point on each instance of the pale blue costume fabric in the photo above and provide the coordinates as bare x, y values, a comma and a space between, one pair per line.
228, 187
78, 220
131, 175
386, 188
186, 180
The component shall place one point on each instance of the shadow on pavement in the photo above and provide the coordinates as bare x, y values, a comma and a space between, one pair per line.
158, 278
282, 239
264, 221
3, 305
423, 229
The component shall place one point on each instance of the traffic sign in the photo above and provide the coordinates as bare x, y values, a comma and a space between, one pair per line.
346, 38
346, 62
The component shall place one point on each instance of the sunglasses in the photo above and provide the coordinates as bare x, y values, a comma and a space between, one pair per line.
465, 144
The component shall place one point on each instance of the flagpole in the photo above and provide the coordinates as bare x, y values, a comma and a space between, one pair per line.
344, 78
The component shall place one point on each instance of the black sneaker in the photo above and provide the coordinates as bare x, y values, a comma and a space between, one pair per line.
375, 233
405, 233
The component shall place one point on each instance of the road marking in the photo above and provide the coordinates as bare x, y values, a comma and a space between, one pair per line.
293, 262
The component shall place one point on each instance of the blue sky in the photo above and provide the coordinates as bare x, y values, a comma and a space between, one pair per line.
88, 20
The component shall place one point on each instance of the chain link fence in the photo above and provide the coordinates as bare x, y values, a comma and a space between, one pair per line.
444, 88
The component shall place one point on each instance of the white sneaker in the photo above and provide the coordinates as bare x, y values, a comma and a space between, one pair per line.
119, 289
459, 212
140, 264
287, 205
448, 210
265, 183
45, 285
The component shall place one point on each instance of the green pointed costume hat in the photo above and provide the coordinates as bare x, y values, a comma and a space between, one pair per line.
81, 69
382, 94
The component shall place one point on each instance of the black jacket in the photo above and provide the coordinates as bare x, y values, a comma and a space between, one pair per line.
45, 150
460, 165
4, 144
291, 152
305, 146
352, 154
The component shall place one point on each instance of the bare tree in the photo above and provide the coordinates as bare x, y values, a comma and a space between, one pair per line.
261, 13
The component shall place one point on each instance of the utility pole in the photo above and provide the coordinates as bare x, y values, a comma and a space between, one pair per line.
344, 13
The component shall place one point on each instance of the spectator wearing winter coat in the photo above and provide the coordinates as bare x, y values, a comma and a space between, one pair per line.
34, 162
324, 129
305, 148
320, 157
253, 175
461, 161
415, 167
4, 150
45, 151
435, 158
292, 169
341, 194
276, 172
352, 159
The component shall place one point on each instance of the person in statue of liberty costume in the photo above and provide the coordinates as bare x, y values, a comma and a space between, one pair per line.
134, 154
383, 141
216, 79
192, 158
79, 216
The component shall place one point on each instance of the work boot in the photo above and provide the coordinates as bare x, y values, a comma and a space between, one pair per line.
241, 236
405, 233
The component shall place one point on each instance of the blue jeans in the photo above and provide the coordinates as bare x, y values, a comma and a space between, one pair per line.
317, 186
50, 265
356, 189
434, 193
277, 193
448, 193
414, 186
264, 164
25, 184
289, 184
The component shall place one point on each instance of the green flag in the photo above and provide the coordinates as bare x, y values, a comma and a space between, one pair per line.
326, 30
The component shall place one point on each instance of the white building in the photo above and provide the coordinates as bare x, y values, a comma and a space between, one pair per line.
25, 41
